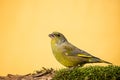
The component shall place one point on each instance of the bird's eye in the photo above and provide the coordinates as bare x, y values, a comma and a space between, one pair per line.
58, 35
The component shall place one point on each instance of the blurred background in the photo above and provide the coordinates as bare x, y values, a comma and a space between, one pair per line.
91, 25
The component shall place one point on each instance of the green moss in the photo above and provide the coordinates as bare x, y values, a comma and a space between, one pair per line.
89, 73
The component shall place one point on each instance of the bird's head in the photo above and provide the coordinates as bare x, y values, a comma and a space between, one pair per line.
57, 37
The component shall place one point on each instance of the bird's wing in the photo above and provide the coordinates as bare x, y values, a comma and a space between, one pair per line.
71, 50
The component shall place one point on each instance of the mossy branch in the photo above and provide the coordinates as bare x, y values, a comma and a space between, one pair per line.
89, 73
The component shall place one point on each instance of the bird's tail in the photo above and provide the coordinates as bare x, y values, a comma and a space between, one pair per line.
102, 61
98, 60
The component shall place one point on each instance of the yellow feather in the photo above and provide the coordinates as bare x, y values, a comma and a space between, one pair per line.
82, 55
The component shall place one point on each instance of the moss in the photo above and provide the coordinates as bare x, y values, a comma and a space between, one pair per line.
89, 73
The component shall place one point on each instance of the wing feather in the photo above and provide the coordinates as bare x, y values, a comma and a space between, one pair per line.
71, 50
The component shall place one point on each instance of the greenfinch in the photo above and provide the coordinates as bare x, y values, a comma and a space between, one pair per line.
68, 54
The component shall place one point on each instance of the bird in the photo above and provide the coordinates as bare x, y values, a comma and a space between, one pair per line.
69, 55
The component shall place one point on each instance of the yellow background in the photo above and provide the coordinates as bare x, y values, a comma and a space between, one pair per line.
92, 25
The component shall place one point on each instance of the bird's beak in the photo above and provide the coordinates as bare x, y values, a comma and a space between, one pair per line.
51, 35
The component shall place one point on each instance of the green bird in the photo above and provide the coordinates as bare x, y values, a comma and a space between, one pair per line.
68, 54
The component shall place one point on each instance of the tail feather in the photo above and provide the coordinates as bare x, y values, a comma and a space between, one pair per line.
102, 61
98, 60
